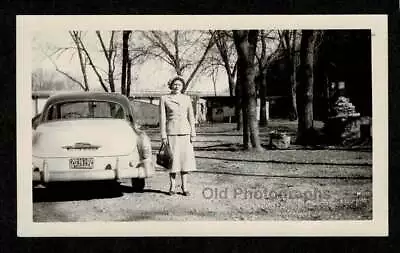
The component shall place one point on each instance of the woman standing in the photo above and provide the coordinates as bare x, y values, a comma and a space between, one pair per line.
178, 132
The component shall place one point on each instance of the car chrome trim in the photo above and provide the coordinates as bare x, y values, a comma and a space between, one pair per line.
81, 145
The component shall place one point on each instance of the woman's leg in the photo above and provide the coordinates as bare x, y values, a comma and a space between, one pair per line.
184, 177
172, 181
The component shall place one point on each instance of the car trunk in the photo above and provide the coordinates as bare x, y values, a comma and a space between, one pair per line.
83, 137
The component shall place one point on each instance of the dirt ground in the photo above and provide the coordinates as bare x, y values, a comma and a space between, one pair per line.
230, 184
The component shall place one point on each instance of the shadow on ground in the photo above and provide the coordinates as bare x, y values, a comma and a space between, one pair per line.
239, 147
283, 162
73, 191
127, 189
281, 176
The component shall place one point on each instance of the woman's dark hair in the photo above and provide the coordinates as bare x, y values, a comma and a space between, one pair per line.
177, 78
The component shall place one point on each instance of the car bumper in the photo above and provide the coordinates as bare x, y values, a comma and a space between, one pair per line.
143, 170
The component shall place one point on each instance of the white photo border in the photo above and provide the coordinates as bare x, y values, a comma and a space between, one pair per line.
378, 226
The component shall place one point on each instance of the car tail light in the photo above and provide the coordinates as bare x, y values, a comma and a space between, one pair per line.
35, 138
45, 171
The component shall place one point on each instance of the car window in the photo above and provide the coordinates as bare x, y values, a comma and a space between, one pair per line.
85, 109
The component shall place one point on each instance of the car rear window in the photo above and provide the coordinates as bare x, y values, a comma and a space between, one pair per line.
85, 109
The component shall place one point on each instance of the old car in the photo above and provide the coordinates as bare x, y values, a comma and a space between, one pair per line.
85, 136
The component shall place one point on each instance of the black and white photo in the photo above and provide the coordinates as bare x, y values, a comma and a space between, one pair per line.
202, 125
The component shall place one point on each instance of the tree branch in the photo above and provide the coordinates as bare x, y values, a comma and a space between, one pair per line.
210, 44
177, 61
111, 46
105, 51
160, 44
65, 73
220, 41
71, 78
75, 37
93, 66
162, 58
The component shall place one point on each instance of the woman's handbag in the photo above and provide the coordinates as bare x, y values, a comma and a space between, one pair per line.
164, 157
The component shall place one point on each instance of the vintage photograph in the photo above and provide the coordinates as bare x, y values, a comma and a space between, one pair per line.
222, 123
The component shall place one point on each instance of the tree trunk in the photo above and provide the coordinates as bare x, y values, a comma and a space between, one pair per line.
246, 42
305, 89
263, 99
263, 68
293, 86
293, 113
129, 78
111, 77
109, 54
238, 105
221, 43
328, 96
238, 102
231, 82
245, 126
293, 77
125, 58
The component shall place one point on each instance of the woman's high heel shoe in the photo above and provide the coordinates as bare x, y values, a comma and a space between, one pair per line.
185, 193
171, 192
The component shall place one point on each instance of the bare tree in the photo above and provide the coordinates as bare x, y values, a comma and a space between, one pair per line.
50, 55
224, 56
133, 53
78, 41
87, 56
225, 46
43, 80
47, 79
246, 44
305, 89
129, 78
76, 37
293, 60
125, 59
238, 104
180, 50
267, 54
110, 54
289, 41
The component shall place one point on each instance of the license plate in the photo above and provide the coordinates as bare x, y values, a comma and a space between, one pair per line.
81, 163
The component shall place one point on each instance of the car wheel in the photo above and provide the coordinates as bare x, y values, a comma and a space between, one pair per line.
138, 184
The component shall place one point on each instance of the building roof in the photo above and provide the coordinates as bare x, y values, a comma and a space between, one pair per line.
142, 94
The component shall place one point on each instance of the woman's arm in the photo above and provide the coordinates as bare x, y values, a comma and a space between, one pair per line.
163, 121
191, 118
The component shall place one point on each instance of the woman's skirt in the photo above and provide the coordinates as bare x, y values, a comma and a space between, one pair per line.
182, 153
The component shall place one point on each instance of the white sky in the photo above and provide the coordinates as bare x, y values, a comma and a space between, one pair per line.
151, 75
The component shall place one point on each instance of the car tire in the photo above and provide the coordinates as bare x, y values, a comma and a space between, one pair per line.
138, 184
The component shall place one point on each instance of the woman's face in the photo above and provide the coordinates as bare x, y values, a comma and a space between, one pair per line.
176, 87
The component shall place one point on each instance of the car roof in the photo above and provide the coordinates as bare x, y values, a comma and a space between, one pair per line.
88, 95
